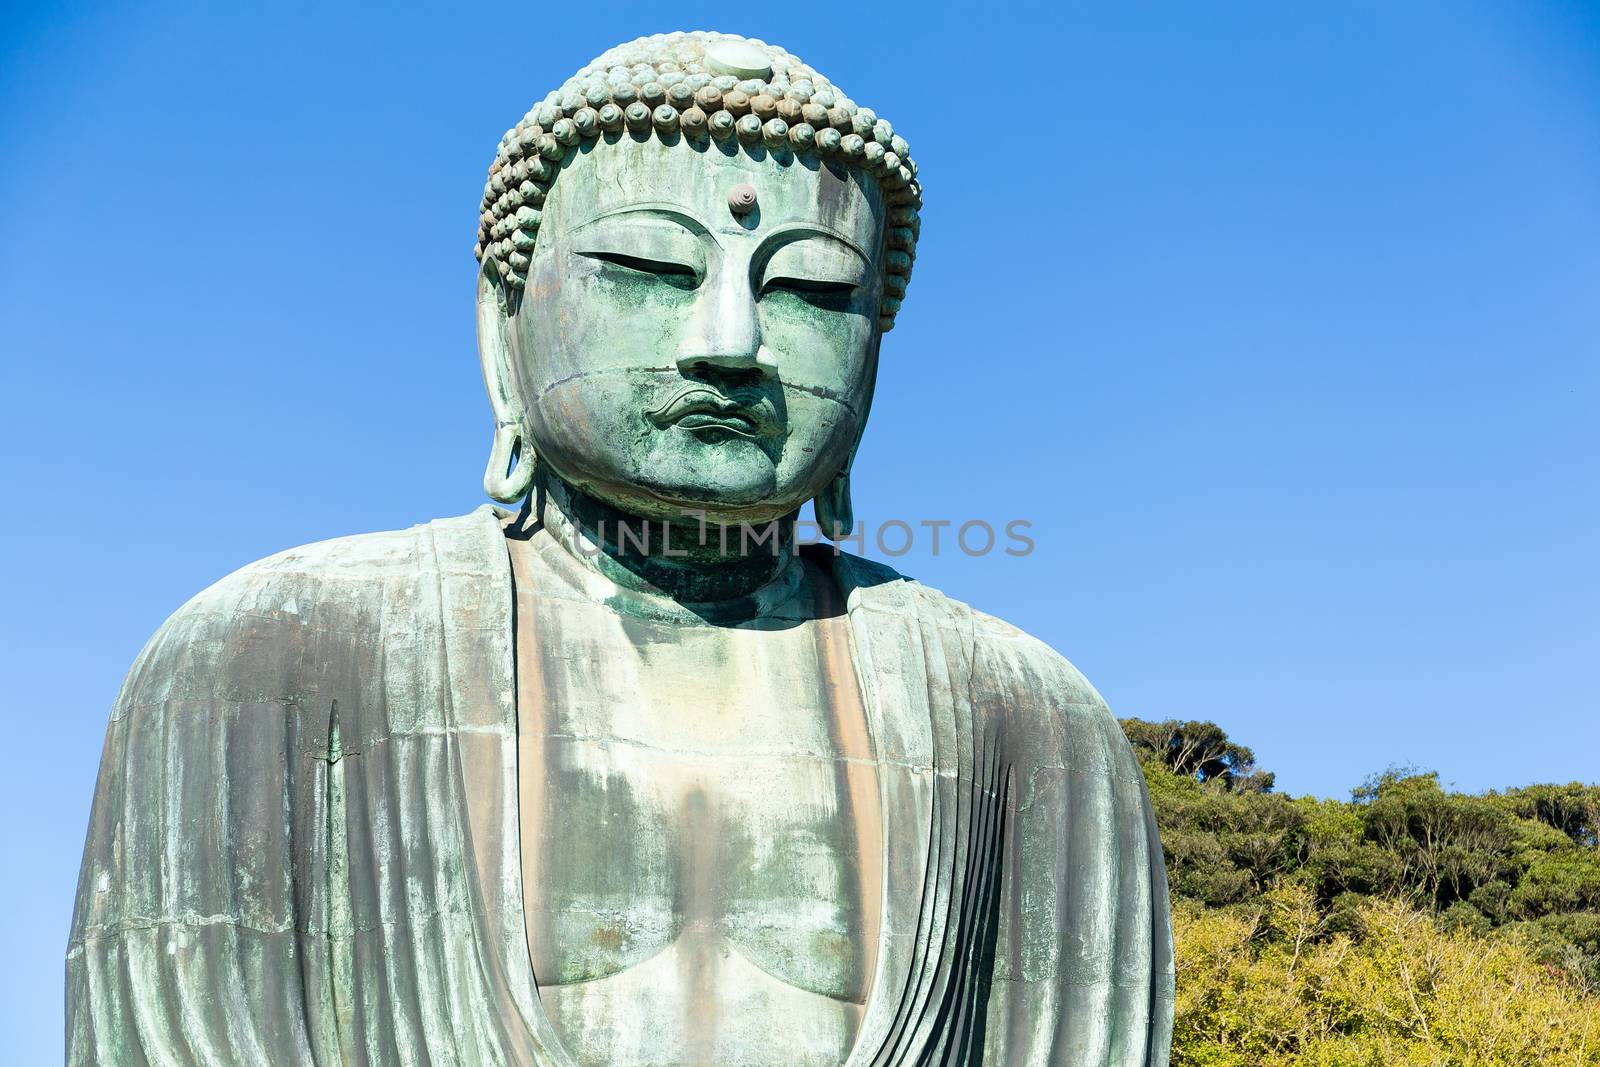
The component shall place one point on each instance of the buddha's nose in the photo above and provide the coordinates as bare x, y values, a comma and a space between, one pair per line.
724, 332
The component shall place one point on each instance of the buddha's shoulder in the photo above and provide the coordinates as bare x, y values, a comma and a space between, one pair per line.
347, 588
359, 567
1001, 654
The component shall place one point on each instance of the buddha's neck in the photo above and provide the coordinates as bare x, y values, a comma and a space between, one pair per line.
690, 561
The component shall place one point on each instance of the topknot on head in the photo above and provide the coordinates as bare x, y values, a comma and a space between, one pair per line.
697, 85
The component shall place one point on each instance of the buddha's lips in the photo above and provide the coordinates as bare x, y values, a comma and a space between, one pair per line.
698, 408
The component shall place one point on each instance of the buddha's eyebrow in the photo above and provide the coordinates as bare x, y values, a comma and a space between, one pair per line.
795, 231
670, 212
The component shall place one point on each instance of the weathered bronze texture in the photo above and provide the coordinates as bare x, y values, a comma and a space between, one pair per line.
595, 779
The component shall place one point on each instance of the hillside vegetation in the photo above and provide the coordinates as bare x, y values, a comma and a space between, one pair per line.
1409, 925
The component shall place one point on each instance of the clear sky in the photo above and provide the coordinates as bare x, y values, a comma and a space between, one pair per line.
1280, 326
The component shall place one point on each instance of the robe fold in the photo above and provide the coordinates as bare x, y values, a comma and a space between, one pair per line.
304, 845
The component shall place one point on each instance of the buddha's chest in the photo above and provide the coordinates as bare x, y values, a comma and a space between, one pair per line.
640, 849
704, 798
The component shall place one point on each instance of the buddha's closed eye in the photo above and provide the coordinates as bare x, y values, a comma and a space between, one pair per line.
808, 285
817, 268
820, 292
679, 275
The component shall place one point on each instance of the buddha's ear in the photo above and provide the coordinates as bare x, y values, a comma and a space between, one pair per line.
833, 507
511, 458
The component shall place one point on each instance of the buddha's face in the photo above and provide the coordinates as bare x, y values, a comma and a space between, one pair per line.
671, 353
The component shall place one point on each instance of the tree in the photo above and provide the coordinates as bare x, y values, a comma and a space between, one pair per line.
1267, 985
1574, 809
1449, 843
1521, 864
1199, 750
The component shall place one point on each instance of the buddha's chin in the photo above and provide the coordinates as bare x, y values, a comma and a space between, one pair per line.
721, 493
730, 478
726, 496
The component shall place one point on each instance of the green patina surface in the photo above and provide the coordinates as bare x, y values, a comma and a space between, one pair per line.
515, 788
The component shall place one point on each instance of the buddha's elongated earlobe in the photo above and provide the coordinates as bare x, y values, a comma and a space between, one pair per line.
509, 474
833, 508
512, 462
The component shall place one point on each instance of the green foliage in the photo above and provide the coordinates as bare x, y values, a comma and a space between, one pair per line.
1408, 925
1198, 750
1574, 809
1445, 845
1557, 883
1267, 985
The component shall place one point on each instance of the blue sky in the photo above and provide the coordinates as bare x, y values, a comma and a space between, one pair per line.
1280, 325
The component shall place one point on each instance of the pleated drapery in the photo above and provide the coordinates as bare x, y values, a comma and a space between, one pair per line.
303, 847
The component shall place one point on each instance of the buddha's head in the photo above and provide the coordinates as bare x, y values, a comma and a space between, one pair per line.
690, 253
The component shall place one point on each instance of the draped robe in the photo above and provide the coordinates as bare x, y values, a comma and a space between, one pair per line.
304, 845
